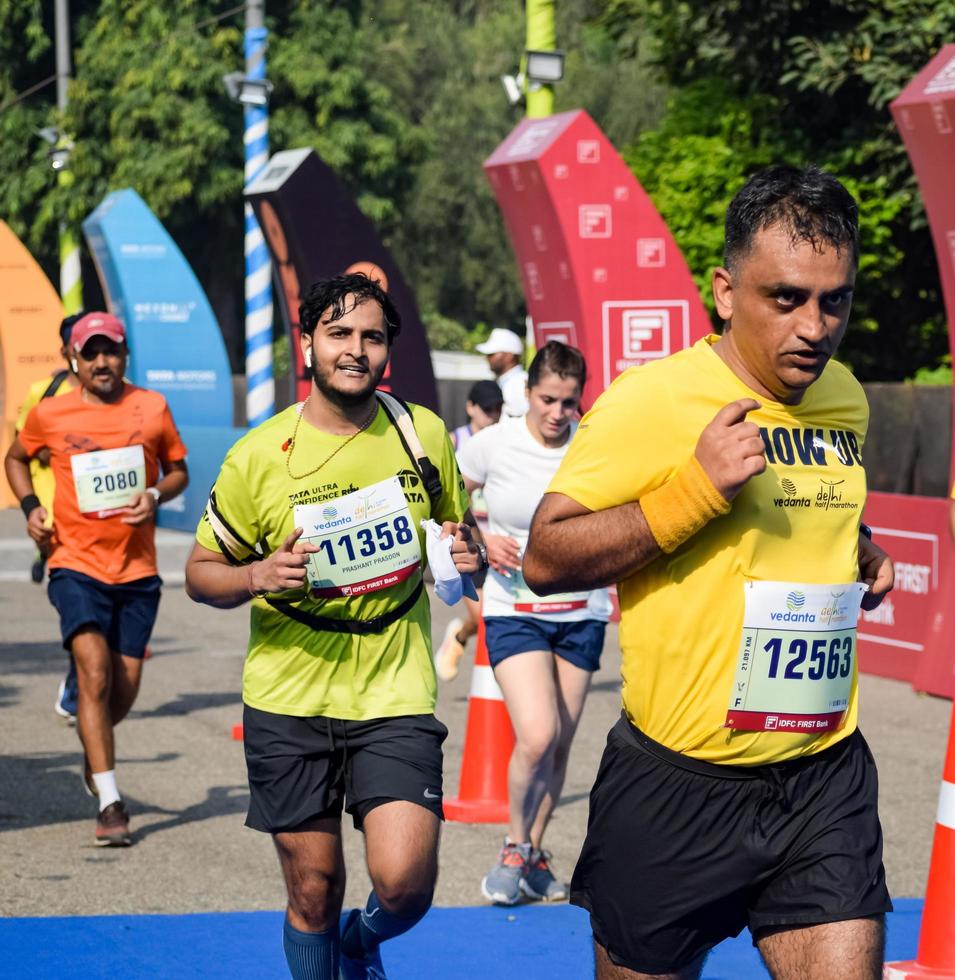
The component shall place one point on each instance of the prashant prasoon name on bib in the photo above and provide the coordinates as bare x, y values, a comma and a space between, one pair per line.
366, 541
108, 480
797, 657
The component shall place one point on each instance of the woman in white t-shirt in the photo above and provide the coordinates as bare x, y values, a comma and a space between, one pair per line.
543, 650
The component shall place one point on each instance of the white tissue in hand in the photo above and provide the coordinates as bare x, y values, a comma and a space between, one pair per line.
449, 584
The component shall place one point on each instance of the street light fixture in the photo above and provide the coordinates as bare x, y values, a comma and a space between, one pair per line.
545, 67
248, 91
513, 87
60, 147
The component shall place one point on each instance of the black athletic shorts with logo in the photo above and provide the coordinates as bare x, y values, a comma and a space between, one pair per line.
307, 768
681, 854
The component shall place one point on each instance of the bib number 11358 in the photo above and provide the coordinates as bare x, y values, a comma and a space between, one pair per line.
366, 541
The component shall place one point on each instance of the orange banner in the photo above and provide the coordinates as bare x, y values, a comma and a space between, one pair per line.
30, 313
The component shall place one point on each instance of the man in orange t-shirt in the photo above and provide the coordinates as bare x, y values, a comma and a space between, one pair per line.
115, 455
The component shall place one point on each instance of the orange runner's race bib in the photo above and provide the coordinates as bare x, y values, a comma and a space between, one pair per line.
797, 657
366, 541
108, 480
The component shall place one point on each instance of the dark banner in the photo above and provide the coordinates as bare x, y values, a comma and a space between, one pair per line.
314, 230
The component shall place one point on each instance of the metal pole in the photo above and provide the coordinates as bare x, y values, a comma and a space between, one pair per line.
541, 36
71, 282
260, 385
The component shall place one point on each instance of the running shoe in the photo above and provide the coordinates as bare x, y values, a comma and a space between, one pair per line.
369, 967
539, 881
502, 884
112, 826
449, 654
67, 694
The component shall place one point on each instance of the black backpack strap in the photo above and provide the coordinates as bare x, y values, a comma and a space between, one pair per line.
54, 386
362, 627
400, 415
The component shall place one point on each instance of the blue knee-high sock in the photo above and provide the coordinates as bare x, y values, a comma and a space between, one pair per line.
311, 955
373, 927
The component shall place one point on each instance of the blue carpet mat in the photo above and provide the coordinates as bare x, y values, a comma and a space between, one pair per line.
450, 944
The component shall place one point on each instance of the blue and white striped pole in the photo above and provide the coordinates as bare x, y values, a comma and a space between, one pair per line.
260, 385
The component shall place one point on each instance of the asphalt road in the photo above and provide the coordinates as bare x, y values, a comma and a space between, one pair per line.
184, 777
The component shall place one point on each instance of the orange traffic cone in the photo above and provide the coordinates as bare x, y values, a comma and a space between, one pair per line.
936, 956
488, 743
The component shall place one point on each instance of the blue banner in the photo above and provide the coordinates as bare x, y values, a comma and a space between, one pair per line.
175, 344
207, 449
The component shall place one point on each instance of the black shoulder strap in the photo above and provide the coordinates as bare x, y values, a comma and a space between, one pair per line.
54, 386
400, 414
361, 627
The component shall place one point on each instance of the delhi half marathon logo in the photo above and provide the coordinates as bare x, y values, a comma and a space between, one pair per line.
795, 601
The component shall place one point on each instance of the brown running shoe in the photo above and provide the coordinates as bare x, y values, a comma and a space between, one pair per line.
112, 826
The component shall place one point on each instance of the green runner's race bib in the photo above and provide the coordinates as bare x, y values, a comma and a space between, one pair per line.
366, 541
797, 657
108, 480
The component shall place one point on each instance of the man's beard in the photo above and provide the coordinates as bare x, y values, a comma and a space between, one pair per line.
346, 399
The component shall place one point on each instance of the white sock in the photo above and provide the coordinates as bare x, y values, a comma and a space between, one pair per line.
106, 788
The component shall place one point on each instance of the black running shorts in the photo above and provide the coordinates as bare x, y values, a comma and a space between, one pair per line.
307, 768
681, 854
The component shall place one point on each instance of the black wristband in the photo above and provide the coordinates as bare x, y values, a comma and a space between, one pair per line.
29, 504
866, 530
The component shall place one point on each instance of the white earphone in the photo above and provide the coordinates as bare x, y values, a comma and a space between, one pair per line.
74, 365
308, 358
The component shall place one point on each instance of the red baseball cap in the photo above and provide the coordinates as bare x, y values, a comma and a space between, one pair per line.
97, 325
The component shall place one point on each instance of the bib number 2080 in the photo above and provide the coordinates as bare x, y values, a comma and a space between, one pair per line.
829, 657
368, 541
109, 482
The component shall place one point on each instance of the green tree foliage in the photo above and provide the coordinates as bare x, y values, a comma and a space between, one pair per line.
802, 81
401, 97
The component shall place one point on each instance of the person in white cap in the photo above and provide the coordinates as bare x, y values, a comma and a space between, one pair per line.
116, 456
504, 350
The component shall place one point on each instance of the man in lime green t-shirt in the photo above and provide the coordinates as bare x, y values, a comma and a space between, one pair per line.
736, 789
316, 517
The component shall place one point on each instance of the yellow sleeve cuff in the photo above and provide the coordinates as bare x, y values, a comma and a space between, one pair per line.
682, 506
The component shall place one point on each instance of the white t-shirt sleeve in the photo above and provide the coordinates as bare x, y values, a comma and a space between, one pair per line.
474, 456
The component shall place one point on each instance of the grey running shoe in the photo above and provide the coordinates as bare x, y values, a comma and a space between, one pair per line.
502, 884
539, 881
112, 826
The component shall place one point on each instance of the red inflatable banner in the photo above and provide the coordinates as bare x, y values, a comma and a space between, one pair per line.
925, 115
599, 267
905, 638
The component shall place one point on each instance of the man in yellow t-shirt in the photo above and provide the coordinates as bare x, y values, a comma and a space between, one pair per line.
316, 516
61, 382
735, 790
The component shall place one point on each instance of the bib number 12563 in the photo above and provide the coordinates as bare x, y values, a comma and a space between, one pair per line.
796, 662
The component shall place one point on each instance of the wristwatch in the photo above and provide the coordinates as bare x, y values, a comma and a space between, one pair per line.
482, 554
155, 493
866, 530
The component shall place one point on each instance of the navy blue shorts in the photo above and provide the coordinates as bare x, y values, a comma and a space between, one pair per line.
579, 643
125, 614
